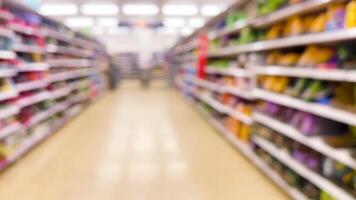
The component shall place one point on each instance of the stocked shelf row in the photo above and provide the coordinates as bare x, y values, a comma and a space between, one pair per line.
318, 180
342, 155
302, 40
39, 138
290, 67
46, 67
246, 150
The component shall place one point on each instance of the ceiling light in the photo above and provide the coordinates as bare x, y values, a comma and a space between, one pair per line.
79, 22
186, 31
99, 9
140, 9
196, 22
58, 9
174, 22
107, 21
179, 10
211, 10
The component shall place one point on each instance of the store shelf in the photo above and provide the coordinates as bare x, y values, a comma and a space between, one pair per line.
246, 150
213, 103
289, 11
36, 98
8, 95
26, 30
70, 75
59, 107
245, 94
225, 109
231, 71
24, 48
316, 143
39, 117
318, 180
236, 28
60, 92
10, 129
31, 85
79, 98
67, 38
28, 67
7, 72
221, 89
68, 51
76, 45
305, 72
301, 40
70, 63
7, 55
186, 48
314, 108
5, 15
9, 111
240, 116
26, 147
5, 32
73, 111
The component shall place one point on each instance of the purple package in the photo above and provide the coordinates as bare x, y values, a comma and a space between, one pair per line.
336, 21
299, 155
271, 109
313, 163
296, 119
288, 114
309, 124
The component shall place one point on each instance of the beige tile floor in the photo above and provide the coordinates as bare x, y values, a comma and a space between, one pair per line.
136, 144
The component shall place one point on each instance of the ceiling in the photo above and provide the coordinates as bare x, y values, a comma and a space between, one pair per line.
137, 19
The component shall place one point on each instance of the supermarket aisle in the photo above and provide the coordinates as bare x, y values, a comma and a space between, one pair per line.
136, 144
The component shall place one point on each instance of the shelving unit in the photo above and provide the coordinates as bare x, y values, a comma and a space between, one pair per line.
248, 153
286, 121
49, 67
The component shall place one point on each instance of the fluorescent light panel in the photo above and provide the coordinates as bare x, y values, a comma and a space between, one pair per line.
79, 22
174, 22
186, 31
196, 22
58, 9
211, 10
107, 21
99, 9
140, 9
179, 10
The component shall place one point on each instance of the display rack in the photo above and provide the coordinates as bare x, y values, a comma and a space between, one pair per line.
290, 112
45, 68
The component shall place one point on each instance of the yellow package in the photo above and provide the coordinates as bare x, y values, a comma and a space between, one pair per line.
350, 18
318, 24
307, 22
294, 27
273, 57
280, 84
274, 32
289, 59
245, 133
37, 57
315, 55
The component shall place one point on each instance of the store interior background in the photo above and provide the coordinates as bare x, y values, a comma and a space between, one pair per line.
143, 26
